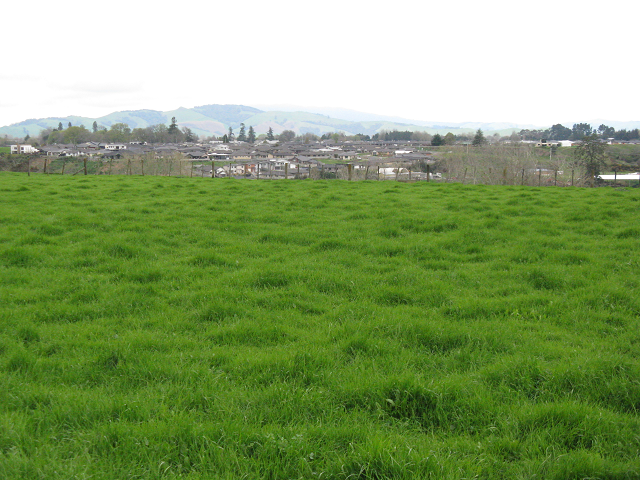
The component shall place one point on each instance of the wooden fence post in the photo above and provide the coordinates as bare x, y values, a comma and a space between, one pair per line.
85, 165
29, 167
428, 173
555, 179
522, 179
349, 169
286, 171
63, 164
539, 176
45, 165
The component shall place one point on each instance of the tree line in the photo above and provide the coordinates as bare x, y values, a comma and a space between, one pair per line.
116, 133
161, 133
578, 132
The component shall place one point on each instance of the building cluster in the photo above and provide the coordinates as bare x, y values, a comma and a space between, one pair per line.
245, 159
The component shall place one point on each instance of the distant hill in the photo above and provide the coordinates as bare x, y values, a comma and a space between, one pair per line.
216, 120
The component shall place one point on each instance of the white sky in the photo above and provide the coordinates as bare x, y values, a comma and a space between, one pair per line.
537, 63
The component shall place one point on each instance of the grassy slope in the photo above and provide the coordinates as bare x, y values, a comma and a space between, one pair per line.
165, 327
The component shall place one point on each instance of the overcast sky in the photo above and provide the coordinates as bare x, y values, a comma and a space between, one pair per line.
536, 63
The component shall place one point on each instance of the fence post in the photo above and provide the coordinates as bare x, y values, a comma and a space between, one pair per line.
63, 165
465, 175
539, 176
286, 171
522, 181
29, 167
45, 165
428, 173
85, 165
142, 166
615, 177
555, 179
110, 165
213, 169
349, 168
366, 172
378, 172
191, 174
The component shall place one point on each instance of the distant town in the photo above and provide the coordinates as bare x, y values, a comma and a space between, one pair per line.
386, 154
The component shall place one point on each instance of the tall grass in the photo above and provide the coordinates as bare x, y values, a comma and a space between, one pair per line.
173, 327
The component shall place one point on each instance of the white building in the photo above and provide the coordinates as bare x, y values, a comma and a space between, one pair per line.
16, 149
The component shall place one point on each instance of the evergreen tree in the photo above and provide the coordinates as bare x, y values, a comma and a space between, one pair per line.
270, 134
581, 130
173, 128
60, 126
230, 135
437, 140
479, 138
242, 136
252, 135
68, 126
95, 127
225, 138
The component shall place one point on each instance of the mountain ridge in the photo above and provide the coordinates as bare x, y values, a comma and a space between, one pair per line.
215, 119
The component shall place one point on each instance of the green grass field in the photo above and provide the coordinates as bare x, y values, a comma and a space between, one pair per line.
155, 327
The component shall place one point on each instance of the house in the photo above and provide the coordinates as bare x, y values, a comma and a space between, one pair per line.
23, 149
546, 143
116, 146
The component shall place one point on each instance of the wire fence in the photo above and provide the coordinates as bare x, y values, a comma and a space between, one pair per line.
451, 169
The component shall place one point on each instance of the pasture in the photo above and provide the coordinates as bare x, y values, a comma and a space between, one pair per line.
155, 327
